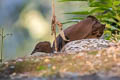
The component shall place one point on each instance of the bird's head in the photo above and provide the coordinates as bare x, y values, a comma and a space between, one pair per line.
98, 28
42, 47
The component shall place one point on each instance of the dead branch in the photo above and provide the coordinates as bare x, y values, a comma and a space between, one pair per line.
53, 26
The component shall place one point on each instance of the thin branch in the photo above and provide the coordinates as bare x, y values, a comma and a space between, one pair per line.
53, 24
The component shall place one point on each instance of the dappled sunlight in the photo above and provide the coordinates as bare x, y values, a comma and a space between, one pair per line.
36, 24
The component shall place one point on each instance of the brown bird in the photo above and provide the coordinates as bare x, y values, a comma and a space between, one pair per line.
87, 28
42, 47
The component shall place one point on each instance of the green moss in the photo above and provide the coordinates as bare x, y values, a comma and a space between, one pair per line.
93, 52
41, 67
25, 66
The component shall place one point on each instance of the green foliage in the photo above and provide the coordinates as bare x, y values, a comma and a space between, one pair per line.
107, 11
39, 68
71, 0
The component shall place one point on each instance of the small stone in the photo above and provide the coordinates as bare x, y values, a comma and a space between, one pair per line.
6, 63
19, 60
46, 60
106, 60
13, 74
53, 67
37, 60
98, 55
12, 67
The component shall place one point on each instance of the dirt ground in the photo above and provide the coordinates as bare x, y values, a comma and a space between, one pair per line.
90, 65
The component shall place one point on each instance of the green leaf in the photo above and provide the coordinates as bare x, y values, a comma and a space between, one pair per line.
77, 18
69, 21
107, 11
116, 3
100, 4
71, 0
79, 13
90, 1
100, 9
107, 35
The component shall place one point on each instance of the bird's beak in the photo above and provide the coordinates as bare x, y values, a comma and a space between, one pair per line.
33, 52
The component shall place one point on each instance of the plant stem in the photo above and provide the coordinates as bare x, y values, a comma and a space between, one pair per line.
2, 42
54, 24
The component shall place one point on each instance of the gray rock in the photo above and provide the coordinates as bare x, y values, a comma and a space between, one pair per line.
86, 45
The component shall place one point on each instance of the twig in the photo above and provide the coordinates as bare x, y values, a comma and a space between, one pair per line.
53, 27
2, 42
53, 24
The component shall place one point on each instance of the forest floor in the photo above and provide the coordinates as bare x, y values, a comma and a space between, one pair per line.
93, 65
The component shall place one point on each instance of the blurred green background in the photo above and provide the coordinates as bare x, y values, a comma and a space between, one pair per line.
29, 21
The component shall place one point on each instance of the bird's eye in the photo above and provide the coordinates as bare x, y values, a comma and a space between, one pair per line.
37, 48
